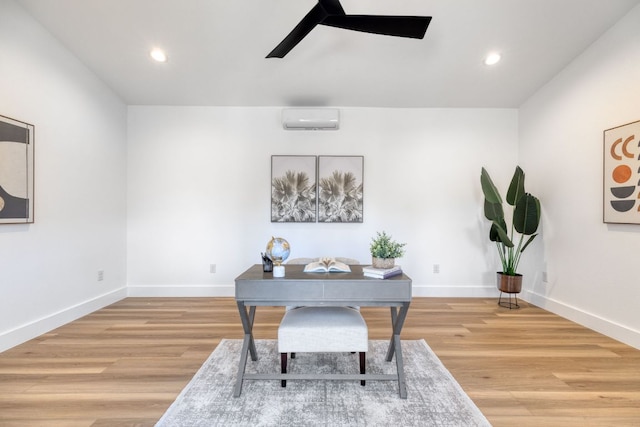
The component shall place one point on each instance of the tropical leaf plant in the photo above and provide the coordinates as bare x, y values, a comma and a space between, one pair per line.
525, 219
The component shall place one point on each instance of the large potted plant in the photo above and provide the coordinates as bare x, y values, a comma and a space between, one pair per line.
385, 250
510, 242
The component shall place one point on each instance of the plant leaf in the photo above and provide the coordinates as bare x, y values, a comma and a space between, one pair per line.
493, 211
528, 241
489, 189
526, 216
516, 188
498, 233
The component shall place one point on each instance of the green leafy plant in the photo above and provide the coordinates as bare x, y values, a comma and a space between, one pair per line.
383, 246
525, 218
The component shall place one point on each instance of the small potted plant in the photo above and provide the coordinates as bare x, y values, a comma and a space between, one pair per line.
385, 250
510, 242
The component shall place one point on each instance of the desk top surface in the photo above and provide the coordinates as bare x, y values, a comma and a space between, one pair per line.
294, 272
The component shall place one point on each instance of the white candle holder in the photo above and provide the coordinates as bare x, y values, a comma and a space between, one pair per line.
278, 271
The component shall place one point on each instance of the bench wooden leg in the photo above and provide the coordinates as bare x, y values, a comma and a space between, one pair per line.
283, 368
363, 369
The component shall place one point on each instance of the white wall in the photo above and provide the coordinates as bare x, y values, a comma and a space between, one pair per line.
592, 267
48, 270
199, 193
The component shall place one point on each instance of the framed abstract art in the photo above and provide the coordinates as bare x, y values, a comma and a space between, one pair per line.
621, 175
16, 171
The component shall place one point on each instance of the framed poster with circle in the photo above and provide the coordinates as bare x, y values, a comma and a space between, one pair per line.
621, 175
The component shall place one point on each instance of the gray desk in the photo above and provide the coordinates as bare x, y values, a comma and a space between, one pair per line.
255, 288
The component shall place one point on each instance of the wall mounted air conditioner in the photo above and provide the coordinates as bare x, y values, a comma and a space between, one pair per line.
311, 118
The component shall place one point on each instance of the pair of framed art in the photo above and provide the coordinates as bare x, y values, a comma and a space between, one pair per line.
317, 189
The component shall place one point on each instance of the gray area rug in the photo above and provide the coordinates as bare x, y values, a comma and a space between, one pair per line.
434, 396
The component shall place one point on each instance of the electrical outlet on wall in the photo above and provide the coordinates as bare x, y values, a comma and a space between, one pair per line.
212, 268
100, 275
436, 268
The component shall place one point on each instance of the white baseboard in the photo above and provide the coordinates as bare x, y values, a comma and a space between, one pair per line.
43, 325
599, 324
181, 290
455, 291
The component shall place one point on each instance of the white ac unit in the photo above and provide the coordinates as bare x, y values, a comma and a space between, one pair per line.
311, 118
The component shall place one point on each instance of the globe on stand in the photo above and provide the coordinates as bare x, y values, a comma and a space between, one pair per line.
278, 250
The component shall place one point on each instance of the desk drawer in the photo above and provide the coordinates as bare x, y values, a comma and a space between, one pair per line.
381, 290
277, 291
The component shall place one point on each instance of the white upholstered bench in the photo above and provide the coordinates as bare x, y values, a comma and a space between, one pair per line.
322, 330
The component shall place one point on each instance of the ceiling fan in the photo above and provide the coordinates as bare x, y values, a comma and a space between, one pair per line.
331, 13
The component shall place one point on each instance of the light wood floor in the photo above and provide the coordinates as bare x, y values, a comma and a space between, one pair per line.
124, 365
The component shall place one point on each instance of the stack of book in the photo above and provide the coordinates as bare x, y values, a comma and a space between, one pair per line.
381, 273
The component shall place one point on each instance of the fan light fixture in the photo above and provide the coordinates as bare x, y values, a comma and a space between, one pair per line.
492, 59
331, 13
158, 55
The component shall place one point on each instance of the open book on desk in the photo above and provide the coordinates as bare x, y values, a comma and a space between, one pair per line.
326, 265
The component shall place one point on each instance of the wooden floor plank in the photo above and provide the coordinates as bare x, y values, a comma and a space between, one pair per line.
125, 364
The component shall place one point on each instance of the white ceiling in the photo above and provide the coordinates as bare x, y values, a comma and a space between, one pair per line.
217, 50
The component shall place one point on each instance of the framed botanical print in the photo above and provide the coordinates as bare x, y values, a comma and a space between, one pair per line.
340, 188
621, 175
16, 171
293, 188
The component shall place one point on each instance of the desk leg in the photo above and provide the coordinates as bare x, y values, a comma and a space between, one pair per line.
247, 325
252, 343
396, 347
248, 344
392, 344
402, 385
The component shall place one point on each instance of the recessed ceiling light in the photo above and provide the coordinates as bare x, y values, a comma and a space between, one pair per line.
158, 55
492, 59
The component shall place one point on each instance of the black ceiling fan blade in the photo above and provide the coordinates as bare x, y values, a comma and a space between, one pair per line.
401, 26
333, 7
304, 27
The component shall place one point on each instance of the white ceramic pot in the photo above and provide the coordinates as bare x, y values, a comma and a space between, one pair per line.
383, 262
